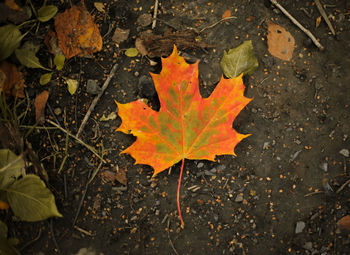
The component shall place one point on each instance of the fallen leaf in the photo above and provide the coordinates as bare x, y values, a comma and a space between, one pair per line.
59, 61
121, 176
52, 43
344, 223
226, 14
187, 125
120, 35
239, 60
111, 116
12, 5
45, 78
72, 86
140, 47
280, 42
10, 39
47, 12
13, 82
40, 104
80, 36
131, 52
144, 20
26, 55
318, 21
99, 6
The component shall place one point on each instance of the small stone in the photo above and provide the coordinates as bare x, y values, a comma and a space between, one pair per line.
254, 110
92, 87
308, 246
133, 218
239, 198
200, 165
344, 152
57, 111
216, 217
299, 227
136, 74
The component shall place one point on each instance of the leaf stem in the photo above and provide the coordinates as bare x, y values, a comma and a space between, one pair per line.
178, 193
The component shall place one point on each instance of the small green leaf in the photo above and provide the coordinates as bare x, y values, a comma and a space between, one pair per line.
47, 12
31, 200
72, 86
131, 52
239, 60
11, 167
45, 78
3, 230
7, 248
10, 39
26, 56
59, 61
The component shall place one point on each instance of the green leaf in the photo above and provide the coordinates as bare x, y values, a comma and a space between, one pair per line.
45, 78
45, 13
59, 61
131, 52
31, 200
72, 86
10, 167
6, 247
239, 60
26, 56
10, 39
3, 230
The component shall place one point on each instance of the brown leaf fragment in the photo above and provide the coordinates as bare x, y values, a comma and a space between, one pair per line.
12, 80
120, 35
344, 223
226, 14
77, 33
121, 176
318, 21
10, 11
140, 47
280, 42
162, 45
12, 4
39, 104
144, 20
51, 43
116, 174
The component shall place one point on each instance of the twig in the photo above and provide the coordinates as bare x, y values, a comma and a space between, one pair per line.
77, 139
307, 32
94, 102
53, 237
213, 25
343, 186
324, 15
314, 193
171, 242
155, 14
83, 231
82, 200
31, 241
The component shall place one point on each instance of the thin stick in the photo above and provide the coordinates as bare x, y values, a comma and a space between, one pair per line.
343, 186
53, 237
94, 102
77, 139
324, 15
213, 25
307, 32
82, 200
155, 14
171, 242
314, 193
178, 194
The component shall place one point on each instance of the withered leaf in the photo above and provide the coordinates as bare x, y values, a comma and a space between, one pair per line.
77, 33
344, 223
280, 42
120, 35
40, 104
13, 83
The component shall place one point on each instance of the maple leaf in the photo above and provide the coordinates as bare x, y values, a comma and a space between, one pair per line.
187, 125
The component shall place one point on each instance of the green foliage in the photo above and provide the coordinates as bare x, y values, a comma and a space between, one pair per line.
26, 55
10, 39
11, 167
59, 61
239, 60
46, 12
45, 78
6, 245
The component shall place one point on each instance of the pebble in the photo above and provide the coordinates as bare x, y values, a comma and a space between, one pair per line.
324, 167
57, 111
92, 87
200, 165
308, 246
299, 227
344, 152
254, 110
216, 217
239, 198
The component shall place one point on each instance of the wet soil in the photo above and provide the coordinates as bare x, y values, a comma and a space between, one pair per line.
278, 196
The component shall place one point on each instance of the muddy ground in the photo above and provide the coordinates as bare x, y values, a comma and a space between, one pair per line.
278, 196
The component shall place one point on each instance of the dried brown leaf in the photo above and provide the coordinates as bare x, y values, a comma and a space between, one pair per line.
226, 14
280, 42
140, 47
344, 223
13, 83
121, 176
39, 104
120, 35
77, 33
12, 5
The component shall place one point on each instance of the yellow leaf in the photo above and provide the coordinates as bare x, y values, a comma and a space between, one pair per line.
110, 116
72, 86
318, 21
59, 61
131, 52
99, 6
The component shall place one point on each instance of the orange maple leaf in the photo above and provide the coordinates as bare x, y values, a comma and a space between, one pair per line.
187, 125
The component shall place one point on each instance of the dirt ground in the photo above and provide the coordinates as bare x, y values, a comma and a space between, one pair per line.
280, 195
